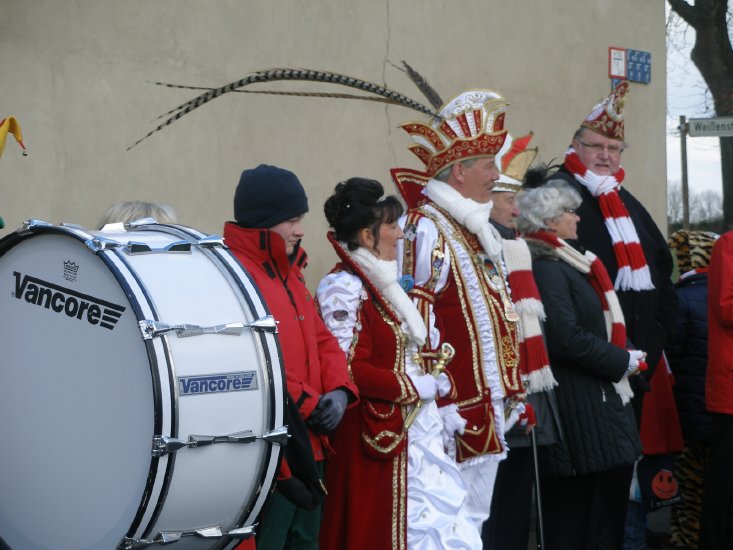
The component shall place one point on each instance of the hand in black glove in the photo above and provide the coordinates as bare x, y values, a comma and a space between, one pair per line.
327, 415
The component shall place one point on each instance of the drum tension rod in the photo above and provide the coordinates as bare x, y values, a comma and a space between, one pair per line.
150, 329
162, 444
135, 247
168, 537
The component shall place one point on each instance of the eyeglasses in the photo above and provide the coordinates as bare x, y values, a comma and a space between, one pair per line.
569, 210
598, 147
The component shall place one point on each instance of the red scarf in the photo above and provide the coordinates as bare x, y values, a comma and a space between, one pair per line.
633, 271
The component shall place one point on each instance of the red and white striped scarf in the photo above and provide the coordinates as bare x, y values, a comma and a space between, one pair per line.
534, 364
692, 272
633, 271
593, 268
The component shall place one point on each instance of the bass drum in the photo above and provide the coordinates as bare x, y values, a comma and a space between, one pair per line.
141, 390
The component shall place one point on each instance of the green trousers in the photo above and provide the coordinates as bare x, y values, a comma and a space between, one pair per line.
287, 526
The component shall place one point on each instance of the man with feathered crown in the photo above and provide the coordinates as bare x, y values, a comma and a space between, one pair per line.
454, 267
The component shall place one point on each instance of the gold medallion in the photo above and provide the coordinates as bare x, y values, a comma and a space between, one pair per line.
510, 314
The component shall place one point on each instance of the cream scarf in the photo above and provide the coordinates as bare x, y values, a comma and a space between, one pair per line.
383, 275
472, 215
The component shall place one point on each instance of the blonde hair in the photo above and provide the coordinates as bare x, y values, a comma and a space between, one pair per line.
127, 211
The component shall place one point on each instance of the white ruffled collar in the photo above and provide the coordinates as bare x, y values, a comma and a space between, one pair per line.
383, 275
473, 215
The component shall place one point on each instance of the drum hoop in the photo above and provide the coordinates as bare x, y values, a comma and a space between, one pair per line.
79, 234
157, 396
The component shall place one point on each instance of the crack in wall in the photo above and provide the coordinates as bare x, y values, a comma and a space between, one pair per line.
385, 63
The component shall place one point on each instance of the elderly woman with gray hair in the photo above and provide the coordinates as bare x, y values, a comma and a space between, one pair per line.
585, 477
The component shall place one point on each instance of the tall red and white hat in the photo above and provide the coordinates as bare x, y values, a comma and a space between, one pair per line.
607, 118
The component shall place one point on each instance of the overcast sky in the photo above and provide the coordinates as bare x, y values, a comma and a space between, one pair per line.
686, 96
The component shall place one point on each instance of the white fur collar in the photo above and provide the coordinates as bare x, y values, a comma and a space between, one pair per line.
473, 215
383, 275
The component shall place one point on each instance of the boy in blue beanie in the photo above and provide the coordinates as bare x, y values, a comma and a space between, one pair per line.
269, 206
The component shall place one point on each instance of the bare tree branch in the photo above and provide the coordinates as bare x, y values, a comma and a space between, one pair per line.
685, 11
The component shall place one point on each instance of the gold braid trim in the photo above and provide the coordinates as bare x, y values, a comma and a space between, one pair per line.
376, 441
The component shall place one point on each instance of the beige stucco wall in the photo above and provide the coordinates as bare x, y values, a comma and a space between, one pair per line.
78, 77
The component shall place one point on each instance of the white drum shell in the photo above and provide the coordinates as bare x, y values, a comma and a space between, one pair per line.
81, 403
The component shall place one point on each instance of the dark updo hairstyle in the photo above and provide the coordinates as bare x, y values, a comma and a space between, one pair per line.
359, 203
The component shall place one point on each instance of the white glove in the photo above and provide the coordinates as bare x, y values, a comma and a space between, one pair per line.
452, 420
426, 386
444, 385
517, 410
635, 356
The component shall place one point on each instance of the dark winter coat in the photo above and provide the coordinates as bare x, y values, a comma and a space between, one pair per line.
598, 431
687, 353
649, 314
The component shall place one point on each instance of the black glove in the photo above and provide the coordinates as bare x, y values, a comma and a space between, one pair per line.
327, 415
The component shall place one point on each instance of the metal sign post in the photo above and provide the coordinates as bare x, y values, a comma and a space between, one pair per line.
683, 127
721, 126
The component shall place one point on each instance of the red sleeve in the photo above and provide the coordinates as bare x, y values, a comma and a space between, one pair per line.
721, 281
284, 472
306, 397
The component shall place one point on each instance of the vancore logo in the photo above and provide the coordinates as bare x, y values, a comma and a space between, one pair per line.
73, 304
217, 383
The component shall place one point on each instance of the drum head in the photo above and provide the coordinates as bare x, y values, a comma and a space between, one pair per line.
75, 399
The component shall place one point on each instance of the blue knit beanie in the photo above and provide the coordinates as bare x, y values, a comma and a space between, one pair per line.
268, 195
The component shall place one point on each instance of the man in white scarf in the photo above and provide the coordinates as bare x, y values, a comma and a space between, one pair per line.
452, 267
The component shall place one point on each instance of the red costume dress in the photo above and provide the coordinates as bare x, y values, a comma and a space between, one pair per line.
387, 487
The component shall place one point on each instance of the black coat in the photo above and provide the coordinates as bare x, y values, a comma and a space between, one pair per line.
649, 314
598, 431
687, 353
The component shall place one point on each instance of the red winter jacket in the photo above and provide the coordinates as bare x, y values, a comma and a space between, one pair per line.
314, 363
719, 383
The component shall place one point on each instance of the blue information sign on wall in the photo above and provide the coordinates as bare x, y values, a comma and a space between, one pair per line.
638, 66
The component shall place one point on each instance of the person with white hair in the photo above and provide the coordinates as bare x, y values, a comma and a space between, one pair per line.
585, 476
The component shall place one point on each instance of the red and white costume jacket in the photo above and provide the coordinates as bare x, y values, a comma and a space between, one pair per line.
458, 282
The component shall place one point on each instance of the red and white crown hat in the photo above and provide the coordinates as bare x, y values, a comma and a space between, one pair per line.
469, 126
513, 161
607, 118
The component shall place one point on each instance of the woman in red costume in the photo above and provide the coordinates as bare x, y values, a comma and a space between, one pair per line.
388, 487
